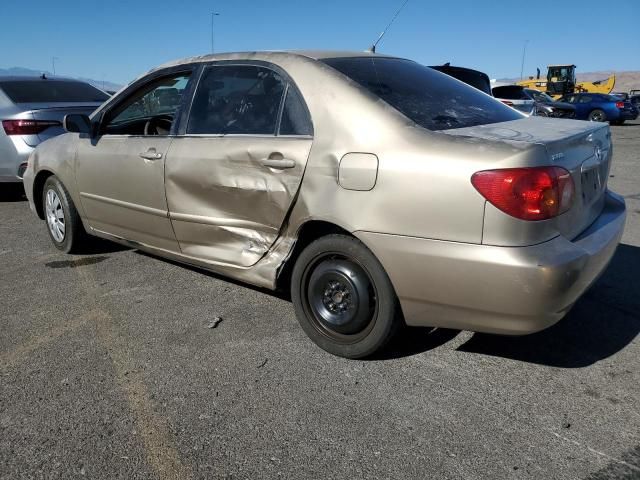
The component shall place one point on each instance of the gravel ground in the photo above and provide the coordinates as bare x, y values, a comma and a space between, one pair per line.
108, 369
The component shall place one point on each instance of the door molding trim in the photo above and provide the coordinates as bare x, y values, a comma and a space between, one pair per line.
216, 221
131, 206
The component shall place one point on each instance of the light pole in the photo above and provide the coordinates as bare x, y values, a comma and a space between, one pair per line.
53, 64
524, 51
213, 16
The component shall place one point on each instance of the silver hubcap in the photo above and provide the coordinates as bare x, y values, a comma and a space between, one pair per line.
55, 215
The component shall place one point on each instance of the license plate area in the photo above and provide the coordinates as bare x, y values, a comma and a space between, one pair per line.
593, 180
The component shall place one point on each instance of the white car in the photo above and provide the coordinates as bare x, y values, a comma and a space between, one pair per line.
515, 96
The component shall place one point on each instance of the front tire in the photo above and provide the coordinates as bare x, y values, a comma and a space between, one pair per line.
343, 298
63, 221
597, 115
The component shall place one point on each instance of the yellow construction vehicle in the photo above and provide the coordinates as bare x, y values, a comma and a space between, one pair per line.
561, 80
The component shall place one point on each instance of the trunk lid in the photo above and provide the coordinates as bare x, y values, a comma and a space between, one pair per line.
56, 112
582, 148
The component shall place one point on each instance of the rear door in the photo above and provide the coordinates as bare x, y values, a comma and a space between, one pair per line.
233, 172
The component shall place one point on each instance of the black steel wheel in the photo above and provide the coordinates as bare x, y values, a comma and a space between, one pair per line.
343, 298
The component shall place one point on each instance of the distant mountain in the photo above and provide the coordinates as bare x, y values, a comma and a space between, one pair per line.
625, 81
31, 72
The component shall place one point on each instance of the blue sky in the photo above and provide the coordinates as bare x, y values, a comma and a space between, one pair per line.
118, 40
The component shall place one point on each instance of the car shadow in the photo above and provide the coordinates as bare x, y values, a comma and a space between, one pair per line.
411, 341
283, 295
12, 192
604, 321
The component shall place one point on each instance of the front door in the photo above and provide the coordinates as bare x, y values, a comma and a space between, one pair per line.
120, 174
233, 174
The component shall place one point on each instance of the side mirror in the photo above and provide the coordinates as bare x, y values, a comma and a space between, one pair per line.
77, 123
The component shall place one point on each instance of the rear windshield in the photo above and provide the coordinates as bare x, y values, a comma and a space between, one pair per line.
431, 99
51, 91
468, 76
510, 92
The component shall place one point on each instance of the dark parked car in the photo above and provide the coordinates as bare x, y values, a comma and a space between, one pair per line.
599, 107
469, 76
32, 110
546, 106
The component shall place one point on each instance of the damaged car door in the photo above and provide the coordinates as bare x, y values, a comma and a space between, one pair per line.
234, 170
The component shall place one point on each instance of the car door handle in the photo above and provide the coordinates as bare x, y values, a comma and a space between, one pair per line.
150, 155
281, 163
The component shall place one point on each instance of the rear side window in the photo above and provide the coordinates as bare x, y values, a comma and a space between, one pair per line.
510, 92
431, 99
586, 99
295, 118
236, 99
51, 91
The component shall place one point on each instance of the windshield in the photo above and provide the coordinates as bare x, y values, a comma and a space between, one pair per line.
431, 99
510, 92
51, 91
539, 96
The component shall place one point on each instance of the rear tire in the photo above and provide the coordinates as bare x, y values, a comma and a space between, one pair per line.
63, 221
597, 115
343, 298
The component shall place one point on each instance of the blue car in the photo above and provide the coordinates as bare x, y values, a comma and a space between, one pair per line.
599, 107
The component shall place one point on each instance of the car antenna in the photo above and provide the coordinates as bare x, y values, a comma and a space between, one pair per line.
372, 48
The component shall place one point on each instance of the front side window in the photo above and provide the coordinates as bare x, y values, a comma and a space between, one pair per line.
151, 110
236, 99
429, 98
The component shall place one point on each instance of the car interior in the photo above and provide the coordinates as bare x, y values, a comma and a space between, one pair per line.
237, 100
149, 111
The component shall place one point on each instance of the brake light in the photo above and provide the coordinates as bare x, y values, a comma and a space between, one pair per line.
27, 127
620, 104
507, 102
527, 193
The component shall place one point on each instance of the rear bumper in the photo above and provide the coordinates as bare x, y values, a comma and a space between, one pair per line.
508, 290
13, 156
627, 115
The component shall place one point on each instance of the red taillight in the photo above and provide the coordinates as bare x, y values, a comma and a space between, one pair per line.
27, 127
527, 193
507, 102
620, 104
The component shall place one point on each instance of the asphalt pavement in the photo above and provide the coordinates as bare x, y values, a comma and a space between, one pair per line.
116, 364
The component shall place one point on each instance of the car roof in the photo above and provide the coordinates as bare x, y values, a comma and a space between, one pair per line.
270, 54
36, 78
